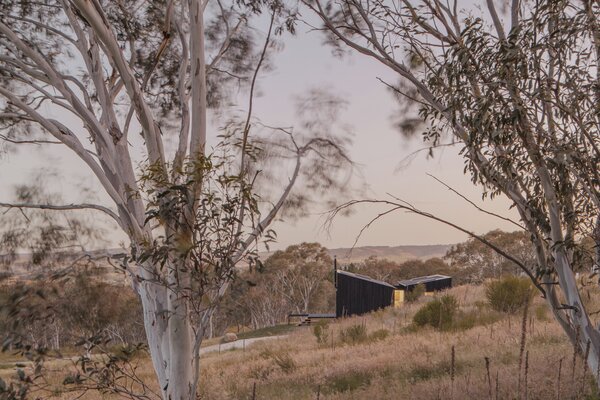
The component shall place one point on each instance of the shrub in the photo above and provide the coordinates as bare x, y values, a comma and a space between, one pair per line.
354, 334
429, 371
346, 383
281, 358
261, 371
127, 352
465, 320
379, 334
438, 313
509, 294
285, 362
415, 294
321, 332
541, 312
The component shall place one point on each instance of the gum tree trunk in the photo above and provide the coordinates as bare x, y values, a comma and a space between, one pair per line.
171, 339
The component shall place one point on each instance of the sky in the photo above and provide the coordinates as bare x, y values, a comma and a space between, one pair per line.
378, 149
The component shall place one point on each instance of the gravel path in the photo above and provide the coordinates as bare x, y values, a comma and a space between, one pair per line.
238, 344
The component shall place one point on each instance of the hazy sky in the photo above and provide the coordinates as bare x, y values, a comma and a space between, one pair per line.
378, 148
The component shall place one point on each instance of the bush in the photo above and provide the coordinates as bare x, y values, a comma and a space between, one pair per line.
127, 352
438, 313
379, 334
429, 371
354, 334
346, 383
509, 294
285, 362
415, 294
281, 359
541, 312
465, 320
321, 332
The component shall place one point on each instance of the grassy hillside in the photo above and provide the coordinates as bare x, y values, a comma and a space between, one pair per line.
397, 361
409, 363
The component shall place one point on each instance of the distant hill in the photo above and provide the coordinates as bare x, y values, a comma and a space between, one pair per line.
95, 262
392, 253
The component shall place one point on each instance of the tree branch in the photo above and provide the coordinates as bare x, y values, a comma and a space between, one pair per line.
403, 205
476, 206
66, 207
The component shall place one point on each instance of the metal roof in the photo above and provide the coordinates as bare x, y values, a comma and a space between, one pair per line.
422, 279
365, 278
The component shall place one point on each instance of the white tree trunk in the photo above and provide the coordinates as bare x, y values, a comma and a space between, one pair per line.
170, 341
181, 374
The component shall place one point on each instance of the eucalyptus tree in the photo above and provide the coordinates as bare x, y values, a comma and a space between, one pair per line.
128, 87
478, 262
301, 272
516, 85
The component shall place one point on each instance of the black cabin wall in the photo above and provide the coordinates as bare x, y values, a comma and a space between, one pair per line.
355, 296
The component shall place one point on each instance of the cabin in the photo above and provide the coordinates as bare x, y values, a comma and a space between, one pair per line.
432, 283
358, 294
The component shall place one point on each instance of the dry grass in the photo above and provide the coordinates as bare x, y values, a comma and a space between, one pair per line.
408, 363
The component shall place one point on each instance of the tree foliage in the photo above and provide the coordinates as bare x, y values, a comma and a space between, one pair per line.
476, 262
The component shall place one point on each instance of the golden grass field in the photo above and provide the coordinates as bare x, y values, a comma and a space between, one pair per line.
407, 364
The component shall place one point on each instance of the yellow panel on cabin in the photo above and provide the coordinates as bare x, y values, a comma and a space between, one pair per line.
398, 297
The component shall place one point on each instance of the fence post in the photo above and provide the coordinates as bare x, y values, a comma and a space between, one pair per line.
319, 392
332, 335
254, 391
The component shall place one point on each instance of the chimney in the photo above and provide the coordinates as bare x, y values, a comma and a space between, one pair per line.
335, 271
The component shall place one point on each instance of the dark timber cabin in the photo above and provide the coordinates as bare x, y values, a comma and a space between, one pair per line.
432, 283
358, 294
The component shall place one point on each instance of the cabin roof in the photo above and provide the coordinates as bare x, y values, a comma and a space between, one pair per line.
422, 279
365, 278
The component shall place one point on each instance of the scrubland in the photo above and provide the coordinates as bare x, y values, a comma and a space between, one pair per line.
486, 355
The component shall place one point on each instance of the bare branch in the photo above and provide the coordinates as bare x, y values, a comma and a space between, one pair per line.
475, 205
496, 19
402, 205
96, 18
66, 207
